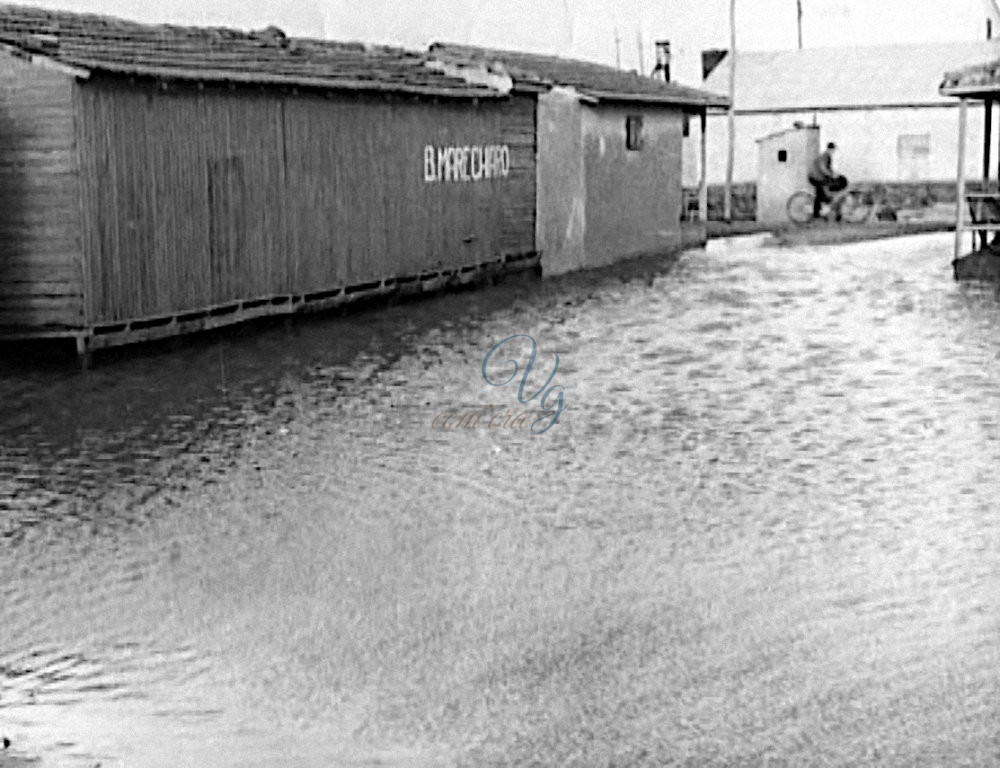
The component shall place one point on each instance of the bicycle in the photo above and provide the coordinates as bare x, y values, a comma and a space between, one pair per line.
849, 204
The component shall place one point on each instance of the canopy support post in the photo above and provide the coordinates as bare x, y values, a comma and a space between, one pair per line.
963, 117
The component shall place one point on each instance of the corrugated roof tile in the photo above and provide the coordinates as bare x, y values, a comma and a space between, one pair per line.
591, 79
217, 54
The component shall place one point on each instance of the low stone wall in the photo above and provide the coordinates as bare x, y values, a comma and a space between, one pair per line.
897, 194
910, 194
744, 201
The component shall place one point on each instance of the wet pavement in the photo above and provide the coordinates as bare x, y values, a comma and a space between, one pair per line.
762, 531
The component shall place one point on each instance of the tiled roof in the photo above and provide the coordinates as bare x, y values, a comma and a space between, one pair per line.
594, 80
829, 78
976, 80
102, 44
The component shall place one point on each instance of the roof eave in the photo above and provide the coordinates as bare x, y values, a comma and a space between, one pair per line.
842, 107
526, 87
47, 62
980, 90
288, 81
655, 98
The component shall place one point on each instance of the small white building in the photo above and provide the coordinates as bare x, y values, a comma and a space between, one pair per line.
784, 159
880, 104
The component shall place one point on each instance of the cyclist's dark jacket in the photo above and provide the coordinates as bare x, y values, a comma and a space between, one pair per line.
821, 170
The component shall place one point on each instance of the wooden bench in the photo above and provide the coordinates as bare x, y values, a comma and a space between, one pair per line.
984, 214
984, 207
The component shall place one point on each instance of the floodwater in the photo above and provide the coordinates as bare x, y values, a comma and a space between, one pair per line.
764, 530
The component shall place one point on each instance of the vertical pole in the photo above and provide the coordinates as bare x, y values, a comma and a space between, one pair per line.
727, 200
963, 114
987, 142
798, 3
703, 182
987, 137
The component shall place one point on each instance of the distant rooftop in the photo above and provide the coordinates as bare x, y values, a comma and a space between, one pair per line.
596, 81
981, 80
89, 43
832, 78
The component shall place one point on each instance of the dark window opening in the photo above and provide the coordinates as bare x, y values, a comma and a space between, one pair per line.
782, 155
633, 132
687, 125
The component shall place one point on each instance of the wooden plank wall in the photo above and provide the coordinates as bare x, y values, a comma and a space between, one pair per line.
40, 251
182, 193
364, 208
198, 198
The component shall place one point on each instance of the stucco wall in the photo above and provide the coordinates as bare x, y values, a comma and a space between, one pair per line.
561, 185
783, 161
633, 197
868, 141
599, 202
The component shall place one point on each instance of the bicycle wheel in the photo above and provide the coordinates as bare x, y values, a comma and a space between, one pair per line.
800, 207
854, 209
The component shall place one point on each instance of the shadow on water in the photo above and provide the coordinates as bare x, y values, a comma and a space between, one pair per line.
150, 414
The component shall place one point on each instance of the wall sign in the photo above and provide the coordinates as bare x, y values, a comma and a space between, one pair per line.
470, 163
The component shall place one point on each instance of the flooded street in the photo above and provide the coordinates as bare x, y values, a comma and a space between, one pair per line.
763, 531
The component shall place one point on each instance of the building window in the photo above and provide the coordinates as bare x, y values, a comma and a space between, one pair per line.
913, 153
782, 155
633, 132
913, 144
687, 125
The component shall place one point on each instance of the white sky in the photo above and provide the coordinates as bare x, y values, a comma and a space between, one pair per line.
581, 28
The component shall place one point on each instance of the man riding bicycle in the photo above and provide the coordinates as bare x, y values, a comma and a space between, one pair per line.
824, 180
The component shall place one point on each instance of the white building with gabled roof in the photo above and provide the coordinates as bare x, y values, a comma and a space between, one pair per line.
880, 104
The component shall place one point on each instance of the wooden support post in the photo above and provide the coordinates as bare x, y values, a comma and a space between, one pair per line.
703, 181
727, 201
963, 116
84, 354
987, 137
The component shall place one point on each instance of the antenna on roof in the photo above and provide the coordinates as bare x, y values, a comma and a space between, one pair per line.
662, 59
798, 4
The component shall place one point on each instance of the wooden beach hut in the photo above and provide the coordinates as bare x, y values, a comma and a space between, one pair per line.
978, 206
157, 180
610, 146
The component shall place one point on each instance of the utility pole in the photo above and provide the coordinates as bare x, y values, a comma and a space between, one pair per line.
798, 3
618, 50
727, 201
642, 57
